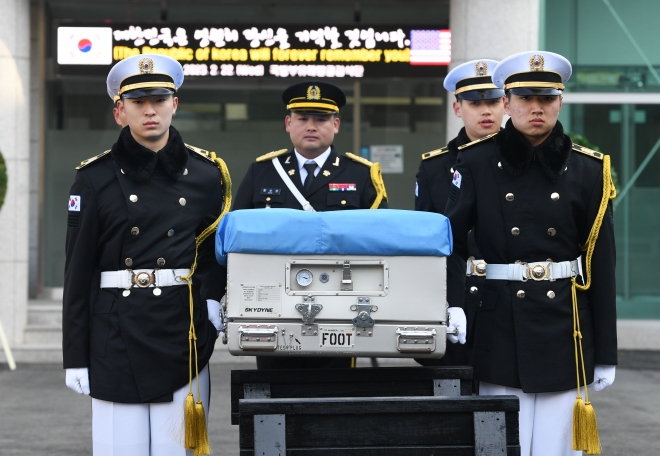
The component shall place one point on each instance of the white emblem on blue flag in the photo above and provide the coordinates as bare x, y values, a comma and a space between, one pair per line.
74, 203
457, 179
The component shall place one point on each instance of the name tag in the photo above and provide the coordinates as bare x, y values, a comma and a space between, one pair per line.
342, 187
271, 191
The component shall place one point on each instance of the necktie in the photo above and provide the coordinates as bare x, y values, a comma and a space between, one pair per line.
310, 167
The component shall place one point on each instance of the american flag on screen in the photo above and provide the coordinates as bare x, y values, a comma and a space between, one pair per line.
430, 47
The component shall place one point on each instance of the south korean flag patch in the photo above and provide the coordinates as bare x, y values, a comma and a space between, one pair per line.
455, 185
74, 203
457, 179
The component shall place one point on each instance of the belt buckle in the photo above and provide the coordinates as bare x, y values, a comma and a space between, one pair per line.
537, 272
478, 268
143, 279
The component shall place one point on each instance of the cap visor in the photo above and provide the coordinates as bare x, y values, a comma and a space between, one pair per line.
313, 111
529, 91
139, 93
474, 95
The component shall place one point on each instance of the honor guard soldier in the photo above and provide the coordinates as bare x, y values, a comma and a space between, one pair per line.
142, 287
539, 208
312, 176
479, 104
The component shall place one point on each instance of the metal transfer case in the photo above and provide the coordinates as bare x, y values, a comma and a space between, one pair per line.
335, 300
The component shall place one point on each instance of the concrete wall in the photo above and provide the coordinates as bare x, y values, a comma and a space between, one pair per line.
483, 29
14, 144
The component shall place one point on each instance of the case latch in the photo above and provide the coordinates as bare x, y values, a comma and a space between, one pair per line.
309, 309
347, 277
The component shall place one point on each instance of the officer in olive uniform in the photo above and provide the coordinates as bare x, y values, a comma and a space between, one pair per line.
531, 198
479, 104
134, 214
311, 176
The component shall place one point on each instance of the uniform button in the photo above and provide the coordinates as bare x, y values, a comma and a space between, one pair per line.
160, 262
554, 196
156, 291
268, 198
551, 294
122, 171
499, 165
515, 231
452, 170
509, 197
520, 294
474, 290
135, 231
185, 172
170, 233
128, 261
343, 202
133, 198
551, 231
182, 201
126, 293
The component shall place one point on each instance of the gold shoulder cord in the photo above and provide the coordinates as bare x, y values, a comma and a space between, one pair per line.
196, 433
585, 426
376, 178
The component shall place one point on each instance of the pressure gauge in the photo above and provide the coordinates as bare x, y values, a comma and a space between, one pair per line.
304, 277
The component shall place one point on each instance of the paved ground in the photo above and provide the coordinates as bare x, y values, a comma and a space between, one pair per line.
40, 416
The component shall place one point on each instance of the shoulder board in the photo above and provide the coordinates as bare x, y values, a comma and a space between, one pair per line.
589, 152
485, 138
92, 160
435, 153
358, 159
271, 155
200, 152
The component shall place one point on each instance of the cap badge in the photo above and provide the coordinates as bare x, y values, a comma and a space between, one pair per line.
536, 63
146, 66
481, 68
313, 93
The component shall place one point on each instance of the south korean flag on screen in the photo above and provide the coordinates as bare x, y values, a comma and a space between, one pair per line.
84, 45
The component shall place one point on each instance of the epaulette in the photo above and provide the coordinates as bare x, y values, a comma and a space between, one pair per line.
91, 160
271, 155
465, 146
435, 153
358, 159
589, 152
200, 152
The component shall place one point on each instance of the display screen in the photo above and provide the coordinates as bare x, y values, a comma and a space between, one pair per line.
268, 51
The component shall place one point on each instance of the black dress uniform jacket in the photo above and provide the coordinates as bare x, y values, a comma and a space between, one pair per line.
136, 347
263, 187
433, 184
527, 342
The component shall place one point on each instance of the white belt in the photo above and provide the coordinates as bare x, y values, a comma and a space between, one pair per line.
143, 278
475, 267
542, 270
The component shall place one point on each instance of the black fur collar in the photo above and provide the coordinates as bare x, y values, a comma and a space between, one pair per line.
139, 163
517, 153
460, 140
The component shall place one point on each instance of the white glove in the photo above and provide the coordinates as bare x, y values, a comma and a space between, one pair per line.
603, 376
78, 380
213, 307
457, 321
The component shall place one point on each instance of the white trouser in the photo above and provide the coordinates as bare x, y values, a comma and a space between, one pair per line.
546, 420
145, 429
